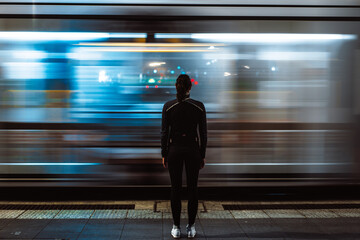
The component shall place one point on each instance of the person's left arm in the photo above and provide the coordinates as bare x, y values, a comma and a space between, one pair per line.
164, 136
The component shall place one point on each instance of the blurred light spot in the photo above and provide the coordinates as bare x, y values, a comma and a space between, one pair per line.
151, 80
178, 67
156, 86
208, 63
247, 67
103, 77
196, 82
182, 72
192, 80
147, 86
172, 71
227, 74
211, 47
155, 71
273, 69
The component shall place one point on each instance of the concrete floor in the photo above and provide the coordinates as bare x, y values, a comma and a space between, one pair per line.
152, 220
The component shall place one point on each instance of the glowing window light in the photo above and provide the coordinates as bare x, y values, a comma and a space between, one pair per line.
64, 36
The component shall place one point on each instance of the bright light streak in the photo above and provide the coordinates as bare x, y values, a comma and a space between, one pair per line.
259, 37
247, 67
227, 74
156, 64
138, 44
127, 35
49, 164
64, 36
293, 56
275, 164
29, 54
172, 35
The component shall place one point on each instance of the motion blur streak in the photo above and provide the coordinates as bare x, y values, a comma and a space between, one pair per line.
81, 96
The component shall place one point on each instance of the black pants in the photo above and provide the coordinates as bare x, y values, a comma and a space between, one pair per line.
180, 154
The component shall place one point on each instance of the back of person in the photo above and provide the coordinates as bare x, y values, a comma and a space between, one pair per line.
182, 119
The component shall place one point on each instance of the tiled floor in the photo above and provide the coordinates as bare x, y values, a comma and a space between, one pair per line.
152, 220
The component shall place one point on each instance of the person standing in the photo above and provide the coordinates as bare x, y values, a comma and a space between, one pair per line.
183, 126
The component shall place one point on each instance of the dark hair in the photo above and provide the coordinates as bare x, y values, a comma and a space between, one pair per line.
183, 84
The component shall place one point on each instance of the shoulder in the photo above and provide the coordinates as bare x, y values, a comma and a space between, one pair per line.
169, 104
196, 103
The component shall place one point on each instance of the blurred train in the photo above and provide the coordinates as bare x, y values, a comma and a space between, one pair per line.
82, 85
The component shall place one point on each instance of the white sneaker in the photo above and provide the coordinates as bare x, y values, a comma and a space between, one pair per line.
175, 231
190, 231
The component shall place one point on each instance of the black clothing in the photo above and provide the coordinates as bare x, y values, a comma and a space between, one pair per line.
180, 121
178, 155
179, 146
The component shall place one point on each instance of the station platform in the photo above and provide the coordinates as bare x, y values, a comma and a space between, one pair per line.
152, 220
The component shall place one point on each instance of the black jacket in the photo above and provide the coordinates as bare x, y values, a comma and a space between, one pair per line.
184, 117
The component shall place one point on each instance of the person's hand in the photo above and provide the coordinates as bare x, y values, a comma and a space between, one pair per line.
164, 163
202, 163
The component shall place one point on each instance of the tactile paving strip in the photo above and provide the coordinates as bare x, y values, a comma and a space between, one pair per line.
318, 213
10, 213
39, 214
252, 214
284, 213
215, 215
74, 214
143, 214
64, 206
287, 206
347, 212
109, 214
